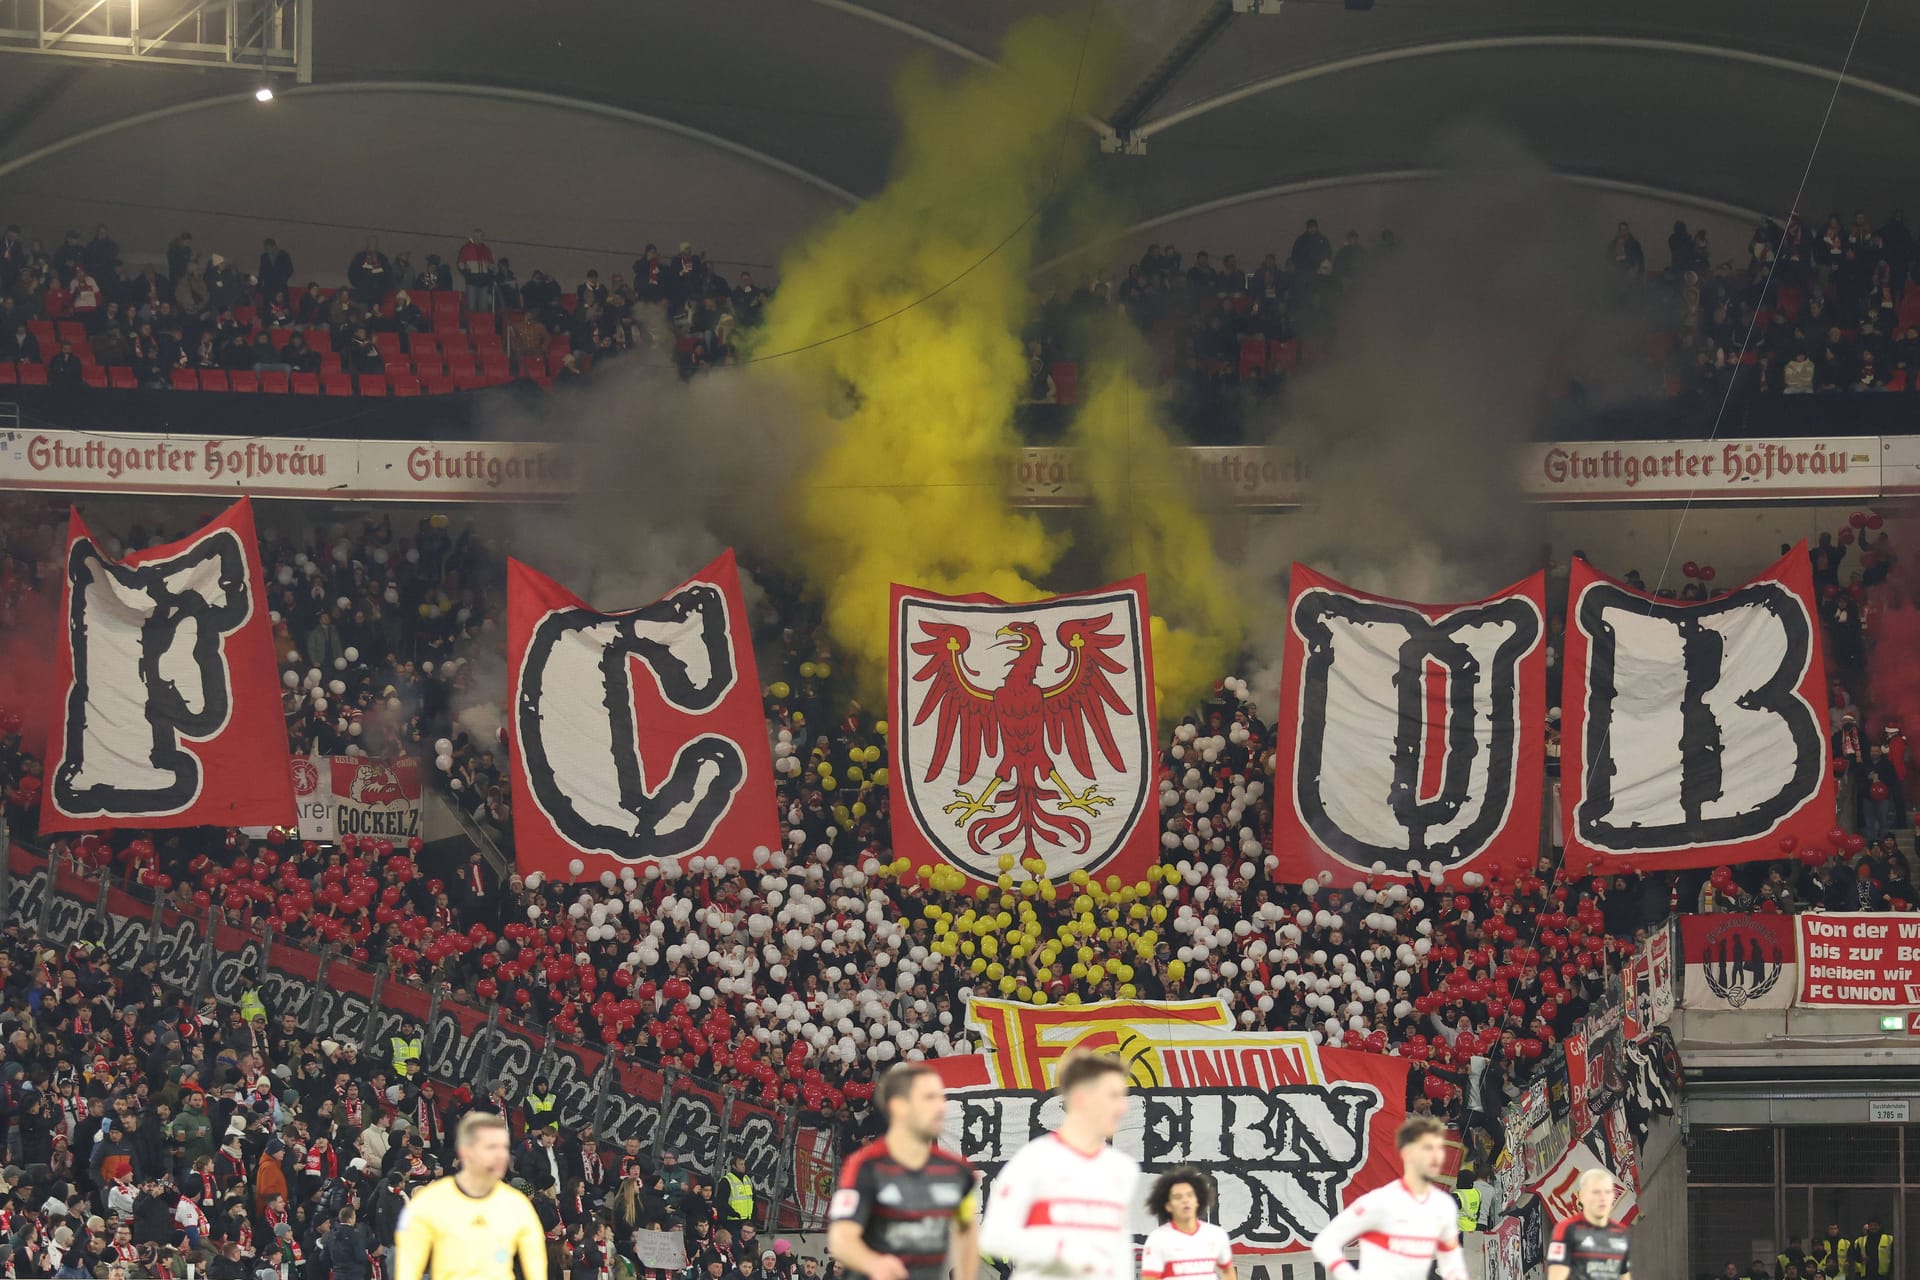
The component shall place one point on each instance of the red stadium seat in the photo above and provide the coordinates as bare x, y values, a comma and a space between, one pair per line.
396, 366
185, 380
1066, 383
373, 384
279, 338
1285, 355
453, 343
8, 376
461, 365
33, 375
425, 365
437, 384
422, 344
245, 380
486, 340
70, 331
274, 382
471, 382
336, 384
1253, 356
214, 380
305, 384
388, 344
121, 378
446, 313
404, 384
329, 362
42, 331
94, 375
246, 316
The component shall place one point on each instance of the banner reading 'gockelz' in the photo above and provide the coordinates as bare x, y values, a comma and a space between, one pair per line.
638, 737
1695, 732
1411, 734
1289, 1131
168, 706
1023, 731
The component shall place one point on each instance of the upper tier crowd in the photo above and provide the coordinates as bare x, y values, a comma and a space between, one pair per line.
1830, 307
790, 974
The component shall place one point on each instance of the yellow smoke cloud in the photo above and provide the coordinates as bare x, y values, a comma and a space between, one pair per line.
908, 481
908, 473
1150, 520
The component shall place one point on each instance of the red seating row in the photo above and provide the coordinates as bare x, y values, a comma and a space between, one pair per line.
272, 382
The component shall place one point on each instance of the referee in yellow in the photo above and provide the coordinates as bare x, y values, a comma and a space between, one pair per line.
472, 1225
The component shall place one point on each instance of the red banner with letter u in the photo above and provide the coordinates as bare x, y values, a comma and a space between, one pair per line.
1411, 734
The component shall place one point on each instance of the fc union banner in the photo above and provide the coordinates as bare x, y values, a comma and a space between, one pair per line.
638, 737
1023, 731
168, 705
1412, 734
1694, 732
1291, 1132
1858, 960
1739, 961
357, 796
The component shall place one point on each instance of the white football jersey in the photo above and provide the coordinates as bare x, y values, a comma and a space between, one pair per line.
1056, 1211
1401, 1236
1185, 1255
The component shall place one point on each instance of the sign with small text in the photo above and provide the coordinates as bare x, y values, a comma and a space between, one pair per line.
1859, 960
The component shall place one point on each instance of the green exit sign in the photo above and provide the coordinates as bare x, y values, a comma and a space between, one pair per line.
1893, 1022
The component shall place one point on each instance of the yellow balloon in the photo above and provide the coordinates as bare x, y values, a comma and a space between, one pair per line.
979, 965
989, 946
881, 728
996, 971
880, 777
1137, 911
1006, 986
1003, 881
1077, 877
1028, 888
1043, 975
980, 892
780, 689
1071, 998
1047, 892
1126, 991
925, 873
1158, 914
855, 773
1023, 992
860, 811
1039, 997
1078, 971
931, 911
1113, 884
1176, 969
1006, 862
806, 670
827, 783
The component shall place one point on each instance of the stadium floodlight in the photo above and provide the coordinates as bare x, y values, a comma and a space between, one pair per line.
263, 94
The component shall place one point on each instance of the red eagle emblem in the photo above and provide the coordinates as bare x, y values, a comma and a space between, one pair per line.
1024, 807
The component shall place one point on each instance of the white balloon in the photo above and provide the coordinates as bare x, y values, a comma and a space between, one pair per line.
576, 867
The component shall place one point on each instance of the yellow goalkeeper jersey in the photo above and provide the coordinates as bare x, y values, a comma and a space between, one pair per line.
460, 1237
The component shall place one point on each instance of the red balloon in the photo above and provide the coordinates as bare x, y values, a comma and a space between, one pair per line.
1787, 844
1836, 837
1874, 521
1691, 568
1846, 537
1855, 844
1858, 519
1706, 573
486, 988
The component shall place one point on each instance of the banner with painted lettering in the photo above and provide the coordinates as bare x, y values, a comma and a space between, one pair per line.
357, 796
1739, 961
165, 709
1505, 1260
277, 467
1695, 731
1859, 960
1703, 470
1414, 733
701, 1123
1203, 1094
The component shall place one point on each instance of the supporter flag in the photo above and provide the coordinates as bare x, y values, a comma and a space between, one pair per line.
638, 737
1411, 735
168, 711
1022, 732
1739, 961
1694, 730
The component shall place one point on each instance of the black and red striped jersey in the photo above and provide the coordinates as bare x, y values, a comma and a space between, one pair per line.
904, 1211
1589, 1252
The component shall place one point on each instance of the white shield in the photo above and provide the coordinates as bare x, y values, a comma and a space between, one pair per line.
1026, 794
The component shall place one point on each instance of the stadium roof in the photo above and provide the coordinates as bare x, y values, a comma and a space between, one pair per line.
564, 112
